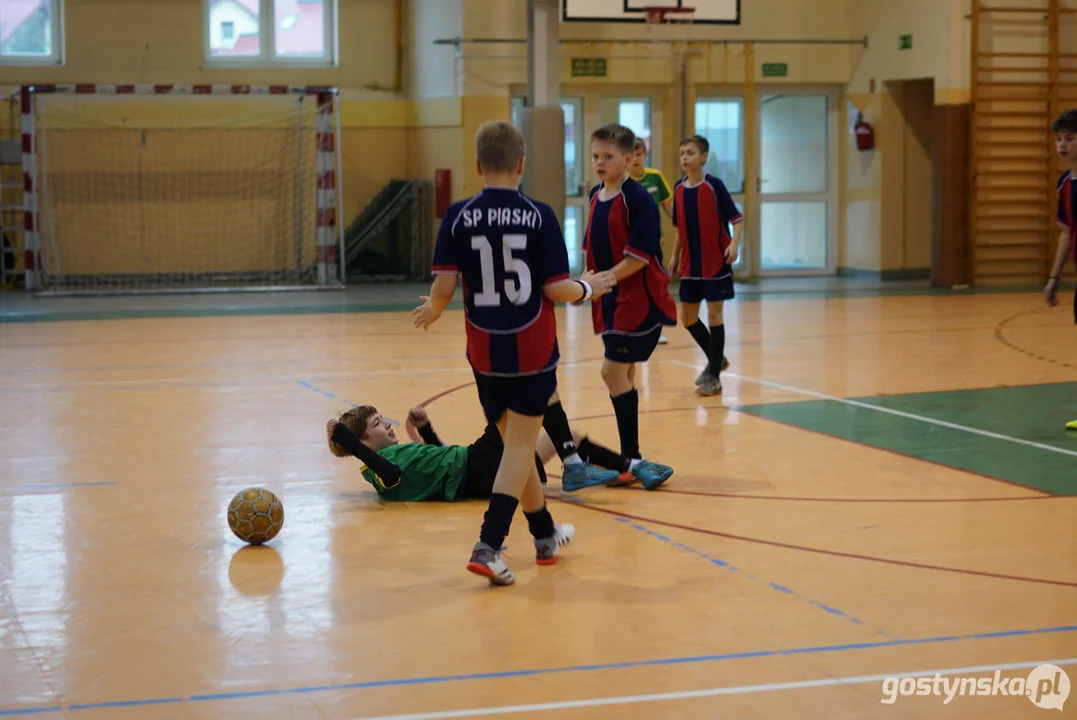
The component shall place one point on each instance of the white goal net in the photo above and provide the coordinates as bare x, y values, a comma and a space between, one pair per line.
151, 192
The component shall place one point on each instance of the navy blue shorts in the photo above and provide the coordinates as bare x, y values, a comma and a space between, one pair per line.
696, 291
523, 394
631, 348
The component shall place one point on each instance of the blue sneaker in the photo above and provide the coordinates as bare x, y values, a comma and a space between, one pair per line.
651, 474
581, 475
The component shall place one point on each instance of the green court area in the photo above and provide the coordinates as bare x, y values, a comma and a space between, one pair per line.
1015, 434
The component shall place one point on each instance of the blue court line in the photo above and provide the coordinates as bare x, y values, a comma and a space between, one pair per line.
58, 486
500, 675
723, 564
328, 394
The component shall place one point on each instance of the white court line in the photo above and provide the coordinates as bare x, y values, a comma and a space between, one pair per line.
890, 411
711, 692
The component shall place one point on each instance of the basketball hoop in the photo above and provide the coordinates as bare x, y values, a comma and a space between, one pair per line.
656, 14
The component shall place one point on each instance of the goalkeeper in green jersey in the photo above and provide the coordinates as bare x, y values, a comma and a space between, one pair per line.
432, 470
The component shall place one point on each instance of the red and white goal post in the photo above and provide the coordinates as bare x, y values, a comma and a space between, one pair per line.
174, 188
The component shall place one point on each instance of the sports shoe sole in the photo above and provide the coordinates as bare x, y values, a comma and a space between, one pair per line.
483, 570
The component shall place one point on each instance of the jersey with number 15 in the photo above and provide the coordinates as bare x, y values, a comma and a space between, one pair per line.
507, 247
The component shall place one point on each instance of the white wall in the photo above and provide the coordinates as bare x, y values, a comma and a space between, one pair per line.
432, 68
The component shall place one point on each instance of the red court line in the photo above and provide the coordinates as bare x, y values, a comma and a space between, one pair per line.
1043, 494
652, 412
787, 498
820, 551
804, 548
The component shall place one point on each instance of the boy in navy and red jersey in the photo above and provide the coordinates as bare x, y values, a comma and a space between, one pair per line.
1065, 129
512, 256
703, 255
624, 236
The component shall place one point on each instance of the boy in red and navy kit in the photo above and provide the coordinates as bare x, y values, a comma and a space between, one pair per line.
1065, 129
624, 236
514, 262
703, 255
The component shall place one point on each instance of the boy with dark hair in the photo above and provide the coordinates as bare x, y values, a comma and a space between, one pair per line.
1065, 129
623, 237
703, 255
432, 470
512, 256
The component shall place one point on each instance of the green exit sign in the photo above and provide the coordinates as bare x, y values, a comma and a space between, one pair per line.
775, 70
588, 67
905, 42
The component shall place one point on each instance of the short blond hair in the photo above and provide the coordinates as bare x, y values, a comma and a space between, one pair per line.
355, 420
499, 147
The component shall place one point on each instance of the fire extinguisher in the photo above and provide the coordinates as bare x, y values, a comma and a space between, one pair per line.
865, 135
442, 191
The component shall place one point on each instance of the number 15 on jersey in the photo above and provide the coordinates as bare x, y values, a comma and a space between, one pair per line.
517, 283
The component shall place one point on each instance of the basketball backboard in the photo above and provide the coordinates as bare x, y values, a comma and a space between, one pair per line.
707, 12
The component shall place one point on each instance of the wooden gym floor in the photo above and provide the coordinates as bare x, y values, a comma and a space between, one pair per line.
885, 487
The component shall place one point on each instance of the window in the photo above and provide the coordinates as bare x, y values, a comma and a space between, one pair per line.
30, 32
270, 32
720, 121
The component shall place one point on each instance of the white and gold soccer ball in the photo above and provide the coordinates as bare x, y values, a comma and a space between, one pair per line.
255, 515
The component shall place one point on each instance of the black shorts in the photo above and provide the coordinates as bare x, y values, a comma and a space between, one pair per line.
524, 394
713, 290
483, 459
631, 348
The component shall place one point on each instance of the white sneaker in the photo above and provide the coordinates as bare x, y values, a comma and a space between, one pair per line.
548, 549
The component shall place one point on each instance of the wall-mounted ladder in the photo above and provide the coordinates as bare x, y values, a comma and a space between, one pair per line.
1023, 74
11, 208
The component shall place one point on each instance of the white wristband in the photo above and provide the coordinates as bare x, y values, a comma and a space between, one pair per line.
587, 291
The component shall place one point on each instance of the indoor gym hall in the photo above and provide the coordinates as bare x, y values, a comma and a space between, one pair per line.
884, 476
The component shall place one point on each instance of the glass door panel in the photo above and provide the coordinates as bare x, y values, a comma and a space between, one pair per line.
796, 188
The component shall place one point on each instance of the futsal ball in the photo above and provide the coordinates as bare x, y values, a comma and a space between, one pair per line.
255, 515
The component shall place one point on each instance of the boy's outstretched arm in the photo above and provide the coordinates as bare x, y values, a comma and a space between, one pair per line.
421, 421
441, 292
389, 472
591, 285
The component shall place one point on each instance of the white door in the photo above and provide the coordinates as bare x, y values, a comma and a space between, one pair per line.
797, 181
